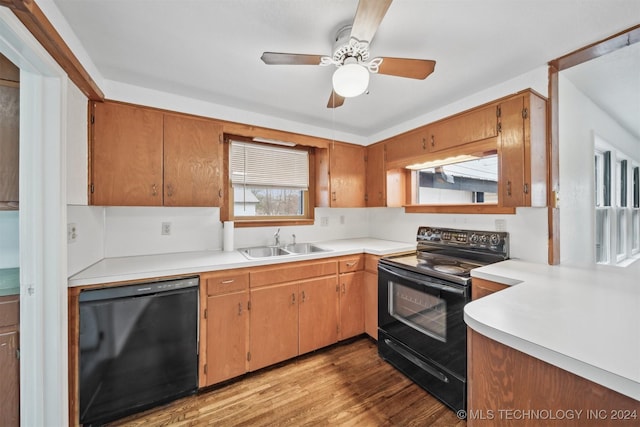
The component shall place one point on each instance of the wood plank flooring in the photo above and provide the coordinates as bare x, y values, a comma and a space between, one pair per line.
344, 385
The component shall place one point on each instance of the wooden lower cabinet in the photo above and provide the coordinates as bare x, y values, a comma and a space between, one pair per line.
351, 304
274, 325
370, 295
318, 314
481, 288
227, 336
509, 388
9, 362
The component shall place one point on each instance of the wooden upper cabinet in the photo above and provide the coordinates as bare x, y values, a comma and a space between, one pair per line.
126, 153
144, 157
470, 126
522, 151
347, 176
192, 167
408, 146
376, 178
9, 133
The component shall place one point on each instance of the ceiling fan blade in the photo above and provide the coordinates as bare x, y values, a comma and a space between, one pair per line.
277, 58
404, 67
335, 100
368, 18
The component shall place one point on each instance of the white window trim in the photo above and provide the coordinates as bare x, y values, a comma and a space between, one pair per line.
629, 254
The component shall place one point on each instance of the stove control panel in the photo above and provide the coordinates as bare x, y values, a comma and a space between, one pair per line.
489, 240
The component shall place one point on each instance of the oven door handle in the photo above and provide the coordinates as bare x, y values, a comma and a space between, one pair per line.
420, 280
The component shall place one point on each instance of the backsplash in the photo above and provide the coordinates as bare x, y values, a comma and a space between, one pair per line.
106, 232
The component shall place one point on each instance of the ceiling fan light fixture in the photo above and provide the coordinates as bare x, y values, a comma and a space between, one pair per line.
350, 80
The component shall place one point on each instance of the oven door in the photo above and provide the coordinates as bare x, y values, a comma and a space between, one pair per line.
424, 314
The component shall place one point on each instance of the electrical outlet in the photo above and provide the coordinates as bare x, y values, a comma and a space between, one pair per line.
501, 225
72, 232
166, 229
324, 221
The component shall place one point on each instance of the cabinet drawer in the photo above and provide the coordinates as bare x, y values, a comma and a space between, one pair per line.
226, 281
350, 264
9, 311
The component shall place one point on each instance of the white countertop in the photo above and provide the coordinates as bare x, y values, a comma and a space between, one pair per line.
583, 320
153, 266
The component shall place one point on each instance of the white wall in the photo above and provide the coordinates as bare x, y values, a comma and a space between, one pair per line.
580, 118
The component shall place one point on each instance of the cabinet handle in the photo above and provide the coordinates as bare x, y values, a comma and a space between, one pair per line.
220, 193
526, 188
154, 190
333, 196
226, 282
424, 143
344, 289
351, 264
239, 309
169, 190
433, 142
304, 297
293, 299
508, 188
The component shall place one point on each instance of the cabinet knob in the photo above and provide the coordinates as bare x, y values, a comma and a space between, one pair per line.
220, 193
333, 196
169, 190
424, 143
526, 188
304, 297
433, 141
344, 289
293, 299
239, 309
154, 190
508, 188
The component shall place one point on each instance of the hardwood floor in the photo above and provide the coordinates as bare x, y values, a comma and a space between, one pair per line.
346, 385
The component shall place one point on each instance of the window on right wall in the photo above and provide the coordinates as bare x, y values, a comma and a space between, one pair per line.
617, 208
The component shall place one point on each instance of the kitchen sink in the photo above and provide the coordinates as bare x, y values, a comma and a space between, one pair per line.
263, 252
278, 251
304, 248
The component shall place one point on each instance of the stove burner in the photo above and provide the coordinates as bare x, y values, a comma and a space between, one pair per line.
449, 269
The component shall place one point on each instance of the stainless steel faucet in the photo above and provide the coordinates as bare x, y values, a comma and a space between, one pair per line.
276, 235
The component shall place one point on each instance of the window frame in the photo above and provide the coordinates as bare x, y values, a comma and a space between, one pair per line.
227, 213
613, 194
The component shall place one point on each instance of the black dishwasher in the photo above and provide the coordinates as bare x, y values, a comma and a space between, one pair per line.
138, 347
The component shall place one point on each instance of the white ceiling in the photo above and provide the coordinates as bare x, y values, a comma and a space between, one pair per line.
210, 50
612, 82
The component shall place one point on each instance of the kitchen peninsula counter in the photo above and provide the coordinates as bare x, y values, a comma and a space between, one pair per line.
120, 269
583, 320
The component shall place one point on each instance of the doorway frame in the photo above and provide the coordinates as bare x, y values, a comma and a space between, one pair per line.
42, 219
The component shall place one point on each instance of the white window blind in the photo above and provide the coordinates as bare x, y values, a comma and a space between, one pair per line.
257, 165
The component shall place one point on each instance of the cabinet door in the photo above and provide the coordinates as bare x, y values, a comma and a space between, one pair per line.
376, 177
274, 325
227, 336
126, 153
464, 128
9, 383
512, 153
192, 161
408, 146
371, 304
9, 141
351, 304
318, 311
347, 176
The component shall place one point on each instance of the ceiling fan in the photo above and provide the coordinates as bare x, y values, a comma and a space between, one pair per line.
351, 56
